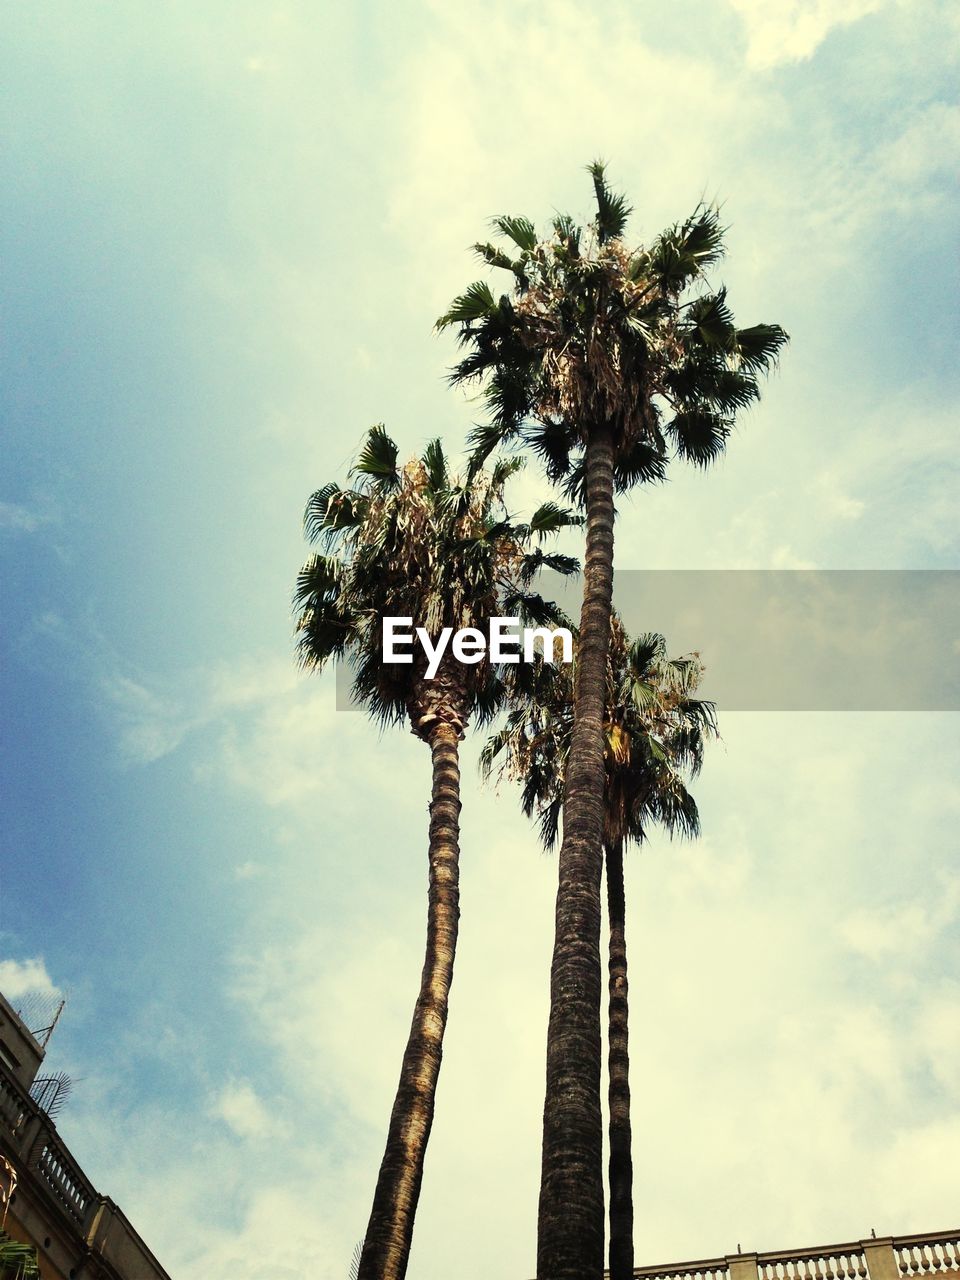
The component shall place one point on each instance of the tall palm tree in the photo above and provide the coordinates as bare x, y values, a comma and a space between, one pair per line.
414, 542
654, 734
603, 359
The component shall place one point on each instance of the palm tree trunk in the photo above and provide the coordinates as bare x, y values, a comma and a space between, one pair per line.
571, 1219
618, 1066
386, 1246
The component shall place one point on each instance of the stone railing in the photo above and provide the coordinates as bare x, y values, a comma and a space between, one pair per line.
836, 1262
888, 1258
56, 1187
924, 1255
32, 1139
65, 1179
706, 1269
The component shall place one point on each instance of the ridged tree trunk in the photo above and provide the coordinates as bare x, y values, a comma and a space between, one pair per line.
618, 1069
571, 1220
386, 1247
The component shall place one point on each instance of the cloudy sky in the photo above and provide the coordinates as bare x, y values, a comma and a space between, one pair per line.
229, 229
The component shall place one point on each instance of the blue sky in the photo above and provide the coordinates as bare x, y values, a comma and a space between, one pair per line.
229, 229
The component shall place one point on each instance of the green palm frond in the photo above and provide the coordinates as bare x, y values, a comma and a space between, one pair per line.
503, 469
378, 457
712, 320
549, 518
551, 440
435, 464
476, 303
520, 230
699, 435
643, 463
568, 233
332, 510
613, 209
758, 347
482, 440
315, 515
17, 1261
495, 257
701, 236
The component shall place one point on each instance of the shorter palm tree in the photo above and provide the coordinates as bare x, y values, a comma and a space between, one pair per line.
415, 542
654, 733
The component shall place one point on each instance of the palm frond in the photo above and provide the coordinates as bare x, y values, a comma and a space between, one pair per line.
552, 442
549, 518
378, 458
315, 514
644, 462
475, 303
758, 346
613, 209
712, 320
435, 464
699, 435
495, 257
520, 230
18, 1261
568, 233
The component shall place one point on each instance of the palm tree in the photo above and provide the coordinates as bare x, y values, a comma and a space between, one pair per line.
654, 734
414, 542
17, 1261
602, 359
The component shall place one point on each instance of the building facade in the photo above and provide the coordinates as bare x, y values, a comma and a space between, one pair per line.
45, 1197
935, 1254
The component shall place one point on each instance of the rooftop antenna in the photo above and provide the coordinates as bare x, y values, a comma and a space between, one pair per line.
42, 1036
36, 1009
51, 1092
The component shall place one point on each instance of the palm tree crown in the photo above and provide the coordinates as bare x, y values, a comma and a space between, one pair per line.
594, 332
413, 541
654, 735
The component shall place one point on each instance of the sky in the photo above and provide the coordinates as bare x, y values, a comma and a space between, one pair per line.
229, 229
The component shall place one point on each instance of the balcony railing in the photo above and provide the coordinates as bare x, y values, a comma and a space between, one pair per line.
43, 1161
889, 1258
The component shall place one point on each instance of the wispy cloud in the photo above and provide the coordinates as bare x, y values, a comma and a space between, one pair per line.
152, 719
794, 29
20, 978
239, 1107
18, 518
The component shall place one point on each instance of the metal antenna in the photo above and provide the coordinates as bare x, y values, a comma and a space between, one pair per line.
51, 1092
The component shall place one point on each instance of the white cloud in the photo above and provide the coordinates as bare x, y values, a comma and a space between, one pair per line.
240, 1108
911, 928
793, 30
20, 978
150, 723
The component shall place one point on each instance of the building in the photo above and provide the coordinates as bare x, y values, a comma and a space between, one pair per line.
46, 1198
887, 1258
